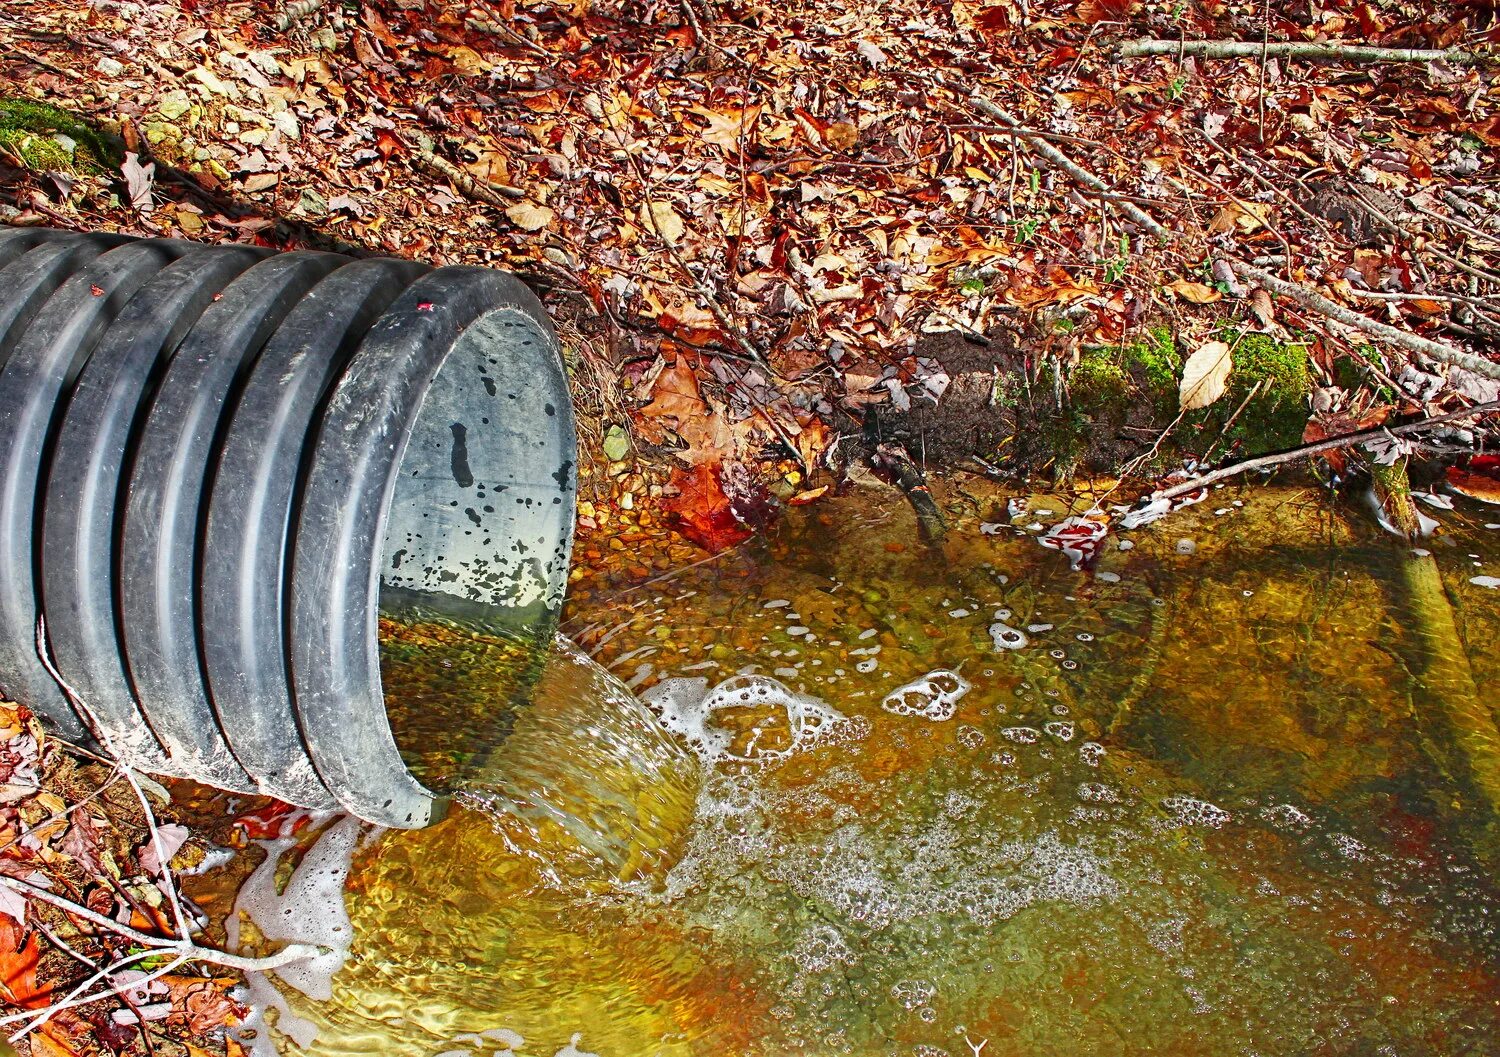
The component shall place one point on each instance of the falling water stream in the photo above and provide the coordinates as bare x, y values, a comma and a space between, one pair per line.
1227, 794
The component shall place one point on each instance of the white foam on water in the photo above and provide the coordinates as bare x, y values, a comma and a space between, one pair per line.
686, 708
1021, 735
1006, 637
311, 907
1190, 811
934, 696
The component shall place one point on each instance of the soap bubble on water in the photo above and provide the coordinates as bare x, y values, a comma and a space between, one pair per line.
686, 707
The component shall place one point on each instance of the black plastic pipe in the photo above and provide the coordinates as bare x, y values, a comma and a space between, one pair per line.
218, 465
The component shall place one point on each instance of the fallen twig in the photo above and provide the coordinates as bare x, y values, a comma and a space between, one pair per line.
1236, 49
1395, 336
501, 30
499, 195
296, 11
1261, 462
180, 944
894, 460
1061, 160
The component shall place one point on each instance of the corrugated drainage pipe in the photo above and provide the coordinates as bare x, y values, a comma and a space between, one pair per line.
216, 463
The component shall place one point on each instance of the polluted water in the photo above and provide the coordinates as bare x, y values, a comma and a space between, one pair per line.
1224, 800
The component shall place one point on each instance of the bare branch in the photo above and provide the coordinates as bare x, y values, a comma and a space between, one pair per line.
1261, 462
1380, 331
1236, 49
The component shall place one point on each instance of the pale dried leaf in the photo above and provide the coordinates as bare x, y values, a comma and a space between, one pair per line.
1205, 376
529, 216
139, 180
661, 218
872, 54
1262, 308
1197, 293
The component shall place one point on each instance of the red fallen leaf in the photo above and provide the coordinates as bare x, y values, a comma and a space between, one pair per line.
274, 821
424, 306
387, 144
994, 19
702, 510
1488, 131
18, 961
1479, 479
96, 290
1339, 423
1094, 11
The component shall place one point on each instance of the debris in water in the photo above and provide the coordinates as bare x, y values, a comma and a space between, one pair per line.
1006, 637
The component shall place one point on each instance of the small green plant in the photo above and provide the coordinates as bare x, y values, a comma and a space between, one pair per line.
1177, 87
1026, 228
1116, 267
972, 287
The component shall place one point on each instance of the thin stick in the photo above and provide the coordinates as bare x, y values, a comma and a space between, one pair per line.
498, 195
1260, 462
1410, 342
1235, 49
159, 943
76, 699
1061, 160
500, 29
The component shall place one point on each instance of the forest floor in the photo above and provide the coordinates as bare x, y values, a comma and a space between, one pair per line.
788, 245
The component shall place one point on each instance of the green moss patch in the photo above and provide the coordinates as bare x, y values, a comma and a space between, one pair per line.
45, 138
1266, 399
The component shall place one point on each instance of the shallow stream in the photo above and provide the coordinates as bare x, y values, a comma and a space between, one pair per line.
1233, 792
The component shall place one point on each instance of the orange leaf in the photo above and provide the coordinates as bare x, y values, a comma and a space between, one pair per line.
18, 966
701, 509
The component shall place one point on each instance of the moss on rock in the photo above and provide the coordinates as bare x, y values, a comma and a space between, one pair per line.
45, 138
1266, 398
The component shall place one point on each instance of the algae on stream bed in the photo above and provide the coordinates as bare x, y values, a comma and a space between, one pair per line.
1198, 814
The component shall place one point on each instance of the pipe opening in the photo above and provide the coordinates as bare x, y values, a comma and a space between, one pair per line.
474, 558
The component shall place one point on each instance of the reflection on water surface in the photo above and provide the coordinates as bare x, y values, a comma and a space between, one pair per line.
1230, 798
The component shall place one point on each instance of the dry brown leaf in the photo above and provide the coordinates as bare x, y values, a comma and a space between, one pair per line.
1205, 376
1244, 216
841, 135
726, 127
1197, 293
529, 216
1262, 307
678, 406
